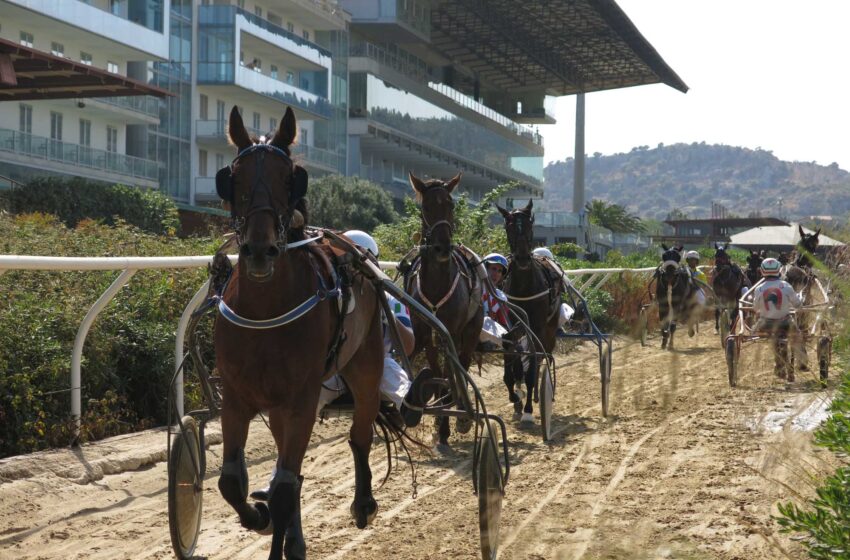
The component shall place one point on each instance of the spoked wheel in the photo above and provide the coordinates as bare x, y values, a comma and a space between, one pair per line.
489, 490
642, 325
824, 356
732, 360
547, 398
185, 489
605, 374
724, 325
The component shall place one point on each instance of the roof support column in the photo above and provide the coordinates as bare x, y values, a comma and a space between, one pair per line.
578, 175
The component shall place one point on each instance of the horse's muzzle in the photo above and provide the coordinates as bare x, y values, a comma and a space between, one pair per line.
259, 261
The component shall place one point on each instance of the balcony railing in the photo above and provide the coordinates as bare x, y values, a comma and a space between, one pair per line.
557, 219
145, 104
152, 19
73, 154
400, 61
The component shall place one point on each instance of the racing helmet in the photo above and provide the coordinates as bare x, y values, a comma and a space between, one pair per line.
770, 268
543, 252
497, 259
363, 239
692, 255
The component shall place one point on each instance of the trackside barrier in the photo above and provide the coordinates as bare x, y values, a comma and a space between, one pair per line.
128, 266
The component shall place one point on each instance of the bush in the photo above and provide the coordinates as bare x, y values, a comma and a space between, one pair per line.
76, 199
128, 357
345, 203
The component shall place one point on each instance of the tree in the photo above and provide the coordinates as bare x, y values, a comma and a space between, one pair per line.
613, 216
348, 203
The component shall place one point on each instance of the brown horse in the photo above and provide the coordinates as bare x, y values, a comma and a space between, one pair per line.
442, 280
282, 331
530, 285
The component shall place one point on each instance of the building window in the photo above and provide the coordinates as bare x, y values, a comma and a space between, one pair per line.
241, 4
306, 35
111, 139
55, 125
85, 132
85, 58
275, 19
273, 71
220, 111
290, 78
256, 122
303, 138
111, 67
272, 124
202, 163
305, 83
26, 39
258, 11
290, 27
57, 49
204, 107
241, 58
25, 118
219, 161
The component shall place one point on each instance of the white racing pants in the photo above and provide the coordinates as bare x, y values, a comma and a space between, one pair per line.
394, 385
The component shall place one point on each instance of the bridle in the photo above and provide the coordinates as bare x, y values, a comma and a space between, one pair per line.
515, 230
282, 216
428, 229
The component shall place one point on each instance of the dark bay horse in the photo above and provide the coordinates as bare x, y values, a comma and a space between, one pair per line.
753, 270
281, 331
727, 281
675, 294
800, 274
441, 279
530, 285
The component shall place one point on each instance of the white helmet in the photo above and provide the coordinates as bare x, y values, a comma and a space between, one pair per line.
692, 255
543, 252
364, 240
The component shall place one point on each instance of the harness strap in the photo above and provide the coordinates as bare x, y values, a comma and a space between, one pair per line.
529, 298
321, 295
446, 297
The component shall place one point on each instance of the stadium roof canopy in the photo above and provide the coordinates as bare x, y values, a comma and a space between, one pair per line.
27, 73
555, 47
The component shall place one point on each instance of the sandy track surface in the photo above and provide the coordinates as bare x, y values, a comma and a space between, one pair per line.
684, 467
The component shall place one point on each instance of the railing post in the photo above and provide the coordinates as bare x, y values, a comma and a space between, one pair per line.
77, 354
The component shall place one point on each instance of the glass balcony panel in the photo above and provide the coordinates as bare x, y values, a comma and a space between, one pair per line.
73, 154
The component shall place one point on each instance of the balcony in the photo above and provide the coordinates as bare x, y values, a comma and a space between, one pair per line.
396, 21
132, 109
131, 31
84, 157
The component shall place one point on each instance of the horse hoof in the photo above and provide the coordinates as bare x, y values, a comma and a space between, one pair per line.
527, 418
266, 523
365, 514
517, 407
463, 425
443, 449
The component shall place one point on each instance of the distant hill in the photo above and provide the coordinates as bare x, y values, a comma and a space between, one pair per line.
652, 182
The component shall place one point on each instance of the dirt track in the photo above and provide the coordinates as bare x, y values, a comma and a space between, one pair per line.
683, 468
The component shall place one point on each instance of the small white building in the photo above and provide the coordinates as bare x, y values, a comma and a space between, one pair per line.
778, 239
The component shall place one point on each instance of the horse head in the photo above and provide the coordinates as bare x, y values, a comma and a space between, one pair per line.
721, 257
519, 226
755, 259
438, 214
807, 246
265, 192
671, 258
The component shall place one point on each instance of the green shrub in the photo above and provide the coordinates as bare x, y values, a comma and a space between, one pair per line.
345, 203
128, 356
76, 199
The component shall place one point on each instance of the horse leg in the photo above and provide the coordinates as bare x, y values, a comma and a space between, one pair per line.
291, 431
665, 325
363, 375
672, 333
233, 482
468, 341
442, 422
530, 383
716, 320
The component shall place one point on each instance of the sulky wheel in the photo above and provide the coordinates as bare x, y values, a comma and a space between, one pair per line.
824, 356
547, 398
732, 360
489, 488
642, 325
724, 326
605, 374
185, 489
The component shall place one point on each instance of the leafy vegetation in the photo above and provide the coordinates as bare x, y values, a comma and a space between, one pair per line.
349, 203
77, 199
614, 217
652, 182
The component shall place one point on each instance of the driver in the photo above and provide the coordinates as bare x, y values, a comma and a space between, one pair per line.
773, 302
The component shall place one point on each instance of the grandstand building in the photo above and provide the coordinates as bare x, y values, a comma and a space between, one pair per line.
380, 87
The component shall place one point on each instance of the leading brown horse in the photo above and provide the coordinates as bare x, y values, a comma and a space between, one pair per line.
282, 331
442, 280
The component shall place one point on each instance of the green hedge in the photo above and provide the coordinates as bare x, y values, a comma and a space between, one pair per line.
128, 357
77, 199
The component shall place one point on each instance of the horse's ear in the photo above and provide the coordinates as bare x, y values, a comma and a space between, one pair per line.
680, 248
505, 214
454, 181
802, 233
725, 246
715, 246
665, 247
529, 206
285, 133
236, 130
817, 233
417, 184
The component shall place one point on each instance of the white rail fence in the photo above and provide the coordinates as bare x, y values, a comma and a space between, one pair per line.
583, 279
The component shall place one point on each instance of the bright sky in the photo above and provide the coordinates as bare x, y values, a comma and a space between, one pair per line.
773, 74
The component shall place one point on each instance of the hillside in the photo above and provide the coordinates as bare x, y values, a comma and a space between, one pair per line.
652, 182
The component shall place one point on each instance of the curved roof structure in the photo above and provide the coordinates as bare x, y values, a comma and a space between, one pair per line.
557, 47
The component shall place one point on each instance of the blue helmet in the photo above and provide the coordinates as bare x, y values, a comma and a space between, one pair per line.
497, 259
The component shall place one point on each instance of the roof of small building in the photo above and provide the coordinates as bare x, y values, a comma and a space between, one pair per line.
777, 236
